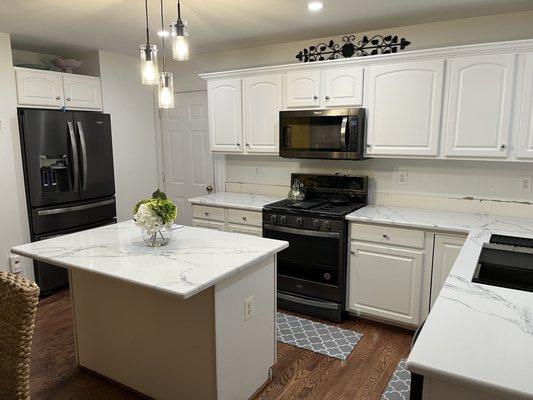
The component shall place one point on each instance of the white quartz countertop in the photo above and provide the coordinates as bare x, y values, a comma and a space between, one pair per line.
476, 335
245, 201
194, 260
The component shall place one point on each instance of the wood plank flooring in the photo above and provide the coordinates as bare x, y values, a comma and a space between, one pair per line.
299, 374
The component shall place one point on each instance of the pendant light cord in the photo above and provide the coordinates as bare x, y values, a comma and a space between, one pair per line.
179, 11
147, 29
163, 37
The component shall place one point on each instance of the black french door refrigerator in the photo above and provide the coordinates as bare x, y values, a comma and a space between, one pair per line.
68, 171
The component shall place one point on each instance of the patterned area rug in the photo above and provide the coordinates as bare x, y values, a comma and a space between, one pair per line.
399, 385
315, 336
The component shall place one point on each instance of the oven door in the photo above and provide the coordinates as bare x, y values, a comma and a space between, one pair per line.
312, 265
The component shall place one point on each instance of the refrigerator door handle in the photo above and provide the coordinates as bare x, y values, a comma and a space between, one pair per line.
83, 155
75, 160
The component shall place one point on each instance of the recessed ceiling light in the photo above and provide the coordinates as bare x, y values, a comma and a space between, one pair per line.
315, 6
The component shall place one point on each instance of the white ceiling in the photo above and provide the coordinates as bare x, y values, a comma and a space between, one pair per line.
62, 26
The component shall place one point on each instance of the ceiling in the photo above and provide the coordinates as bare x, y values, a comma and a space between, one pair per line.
62, 26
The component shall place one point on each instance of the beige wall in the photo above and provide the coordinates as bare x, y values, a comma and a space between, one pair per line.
439, 34
13, 218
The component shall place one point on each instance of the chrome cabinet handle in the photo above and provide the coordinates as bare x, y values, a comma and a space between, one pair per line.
315, 97
327, 97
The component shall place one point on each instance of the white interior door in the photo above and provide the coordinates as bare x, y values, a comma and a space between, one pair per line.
188, 163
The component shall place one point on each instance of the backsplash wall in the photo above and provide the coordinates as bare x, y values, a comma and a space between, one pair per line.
442, 184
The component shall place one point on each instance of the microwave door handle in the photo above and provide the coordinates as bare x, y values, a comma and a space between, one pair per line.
84, 154
75, 160
343, 133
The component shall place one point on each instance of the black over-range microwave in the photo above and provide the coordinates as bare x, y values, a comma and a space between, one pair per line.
337, 133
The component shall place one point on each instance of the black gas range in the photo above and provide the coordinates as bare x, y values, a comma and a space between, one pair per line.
312, 270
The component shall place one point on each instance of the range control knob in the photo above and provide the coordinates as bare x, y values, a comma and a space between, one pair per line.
282, 220
316, 223
299, 221
274, 218
327, 276
327, 225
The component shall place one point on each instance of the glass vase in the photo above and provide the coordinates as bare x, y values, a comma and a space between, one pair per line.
157, 238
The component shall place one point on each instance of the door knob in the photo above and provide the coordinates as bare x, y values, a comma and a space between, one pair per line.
209, 188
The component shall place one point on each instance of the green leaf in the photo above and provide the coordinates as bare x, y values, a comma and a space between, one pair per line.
158, 194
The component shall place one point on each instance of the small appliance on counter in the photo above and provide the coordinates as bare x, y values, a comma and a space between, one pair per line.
68, 174
312, 270
337, 134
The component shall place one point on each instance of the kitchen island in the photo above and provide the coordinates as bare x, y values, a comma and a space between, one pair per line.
191, 320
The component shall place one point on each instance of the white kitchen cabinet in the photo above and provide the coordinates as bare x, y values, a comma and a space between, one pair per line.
228, 219
342, 87
39, 88
302, 89
225, 115
479, 119
82, 92
386, 282
404, 103
248, 230
200, 223
525, 142
263, 100
445, 252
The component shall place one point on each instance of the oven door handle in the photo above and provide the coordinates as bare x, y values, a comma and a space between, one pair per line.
308, 302
343, 133
303, 232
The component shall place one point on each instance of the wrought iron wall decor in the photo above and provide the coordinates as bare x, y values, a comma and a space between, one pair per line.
365, 47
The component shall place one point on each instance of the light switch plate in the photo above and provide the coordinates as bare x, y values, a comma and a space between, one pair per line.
525, 184
15, 264
403, 177
249, 308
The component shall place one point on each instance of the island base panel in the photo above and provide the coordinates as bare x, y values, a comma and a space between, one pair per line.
155, 343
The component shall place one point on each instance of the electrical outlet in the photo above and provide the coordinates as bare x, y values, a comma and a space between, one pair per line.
525, 184
249, 308
403, 177
257, 171
15, 263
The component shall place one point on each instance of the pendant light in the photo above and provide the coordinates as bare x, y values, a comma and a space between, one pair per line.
180, 41
165, 90
149, 68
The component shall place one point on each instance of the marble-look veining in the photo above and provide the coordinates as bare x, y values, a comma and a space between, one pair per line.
476, 335
244, 201
194, 260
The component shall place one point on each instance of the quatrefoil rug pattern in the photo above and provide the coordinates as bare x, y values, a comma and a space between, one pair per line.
315, 336
399, 386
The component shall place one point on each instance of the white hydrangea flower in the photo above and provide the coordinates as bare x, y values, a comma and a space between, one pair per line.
147, 219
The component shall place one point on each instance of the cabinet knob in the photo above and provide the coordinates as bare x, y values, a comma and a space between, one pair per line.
244, 218
68, 98
327, 97
315, 97
247, 144
368, 145
206, 214
503, 146
209, 188
58, 98
385, 236
352, 252
238, 144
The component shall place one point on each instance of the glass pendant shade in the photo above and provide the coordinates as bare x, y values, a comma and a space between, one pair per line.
165, 91
180, 41
149, 68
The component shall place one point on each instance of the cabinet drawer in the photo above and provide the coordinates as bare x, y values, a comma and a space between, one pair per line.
205, 212
199, 223
253, 218
387, 235
247, 230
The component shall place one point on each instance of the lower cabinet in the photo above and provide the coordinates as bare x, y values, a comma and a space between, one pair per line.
386, 281
227, 219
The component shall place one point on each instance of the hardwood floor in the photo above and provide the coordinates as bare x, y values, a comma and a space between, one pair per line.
299, 374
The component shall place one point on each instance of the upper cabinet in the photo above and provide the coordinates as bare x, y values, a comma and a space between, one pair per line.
342, 87
225, 115
525, 143
479, 119
47, 89
37, 88
262, 102
302, 89
404, 103
82, 92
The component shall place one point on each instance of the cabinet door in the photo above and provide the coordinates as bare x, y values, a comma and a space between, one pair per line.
445, 252
199, 223
343, 87
386, 282
302, 89
525, 144
404, 103
225, 115
479, 120
82, 92
37, 88
247, 230
262, 103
